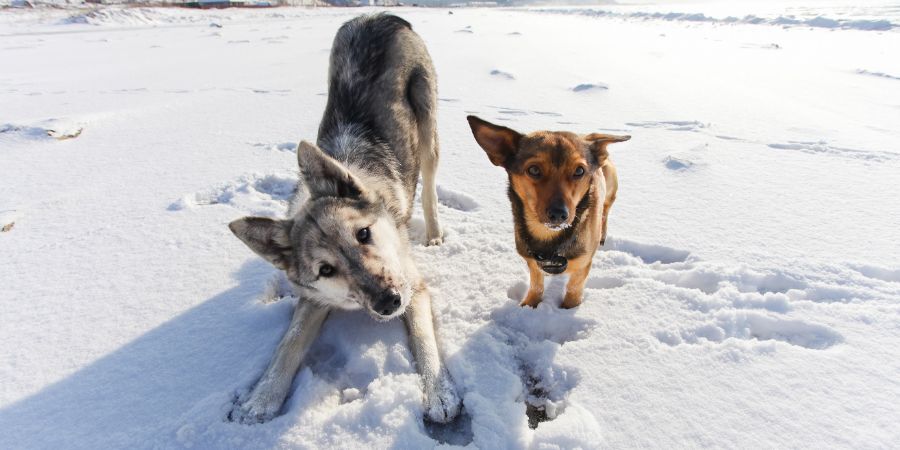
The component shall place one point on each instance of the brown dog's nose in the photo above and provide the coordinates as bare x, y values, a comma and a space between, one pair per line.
557, 213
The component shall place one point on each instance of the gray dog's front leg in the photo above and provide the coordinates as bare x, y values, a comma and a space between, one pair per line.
442, 403
269, 393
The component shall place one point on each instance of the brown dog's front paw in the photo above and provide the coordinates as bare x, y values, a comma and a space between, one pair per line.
571, 301
532, 299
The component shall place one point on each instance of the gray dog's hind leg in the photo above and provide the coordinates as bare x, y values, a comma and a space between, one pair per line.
433, 234
269, 393
423, 99
442, 403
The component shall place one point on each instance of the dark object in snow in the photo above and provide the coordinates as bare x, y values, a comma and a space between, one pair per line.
590, 87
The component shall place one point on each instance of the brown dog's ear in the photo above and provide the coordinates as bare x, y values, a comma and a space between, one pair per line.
268, 238
599, 141
500, 143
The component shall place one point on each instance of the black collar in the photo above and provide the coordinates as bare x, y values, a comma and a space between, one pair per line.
551, 255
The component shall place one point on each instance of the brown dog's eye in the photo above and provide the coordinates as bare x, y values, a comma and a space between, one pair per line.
534, 171
326, 270
579, 172
364, 236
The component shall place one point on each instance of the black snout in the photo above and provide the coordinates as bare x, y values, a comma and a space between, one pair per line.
557, 214
387, 303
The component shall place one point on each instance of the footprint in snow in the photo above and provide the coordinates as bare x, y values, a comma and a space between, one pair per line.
497, 73
289, 147
824, 148
590, 87
749, 325
878, 273
536, 335
456, 199
261, 195
671, 125
738, 302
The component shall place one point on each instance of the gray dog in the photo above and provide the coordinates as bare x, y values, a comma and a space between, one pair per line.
346, 244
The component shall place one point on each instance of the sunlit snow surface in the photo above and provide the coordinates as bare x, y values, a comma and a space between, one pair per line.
748, 295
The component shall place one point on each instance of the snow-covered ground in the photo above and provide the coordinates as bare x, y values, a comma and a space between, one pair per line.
749, 295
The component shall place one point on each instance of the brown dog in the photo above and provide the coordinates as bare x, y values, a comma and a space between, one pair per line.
557, 181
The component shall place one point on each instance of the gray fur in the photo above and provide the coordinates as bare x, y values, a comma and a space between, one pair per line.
376, 136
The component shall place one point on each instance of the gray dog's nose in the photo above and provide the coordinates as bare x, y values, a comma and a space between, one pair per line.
557, 213
388, 303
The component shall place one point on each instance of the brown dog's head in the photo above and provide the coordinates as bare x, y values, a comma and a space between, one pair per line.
550, 170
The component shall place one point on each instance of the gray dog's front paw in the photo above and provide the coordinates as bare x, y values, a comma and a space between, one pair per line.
258, 408
442, 403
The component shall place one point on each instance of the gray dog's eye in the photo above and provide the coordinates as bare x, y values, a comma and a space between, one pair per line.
364, 235
534, 171
326, 270
579, 172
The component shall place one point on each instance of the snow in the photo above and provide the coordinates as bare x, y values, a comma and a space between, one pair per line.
747, 294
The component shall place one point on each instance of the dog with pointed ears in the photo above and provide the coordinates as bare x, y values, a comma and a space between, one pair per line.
561, 186
345, 244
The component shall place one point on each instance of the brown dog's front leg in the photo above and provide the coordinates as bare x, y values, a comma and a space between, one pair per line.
580, 267
536, 290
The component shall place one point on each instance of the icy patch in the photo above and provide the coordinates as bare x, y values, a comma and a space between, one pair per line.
59, 129
502, 75
262, 195
590, 87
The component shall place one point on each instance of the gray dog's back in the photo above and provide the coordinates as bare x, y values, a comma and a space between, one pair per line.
382, 92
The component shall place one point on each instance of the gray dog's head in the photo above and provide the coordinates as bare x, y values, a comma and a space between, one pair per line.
343, 248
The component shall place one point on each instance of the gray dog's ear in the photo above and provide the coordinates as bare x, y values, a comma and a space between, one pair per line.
325, 177
500, 143
599, 141
267, 237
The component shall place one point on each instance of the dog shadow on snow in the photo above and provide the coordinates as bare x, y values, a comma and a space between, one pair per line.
174, 385
136, 396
